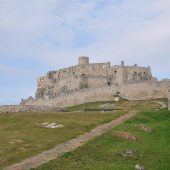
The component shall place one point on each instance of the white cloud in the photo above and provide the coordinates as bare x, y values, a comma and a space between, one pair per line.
47, 30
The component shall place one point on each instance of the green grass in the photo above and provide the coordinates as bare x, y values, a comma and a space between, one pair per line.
26, 127
104, 152
91, 105
125, 105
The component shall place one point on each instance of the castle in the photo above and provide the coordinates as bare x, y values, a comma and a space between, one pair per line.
89, 82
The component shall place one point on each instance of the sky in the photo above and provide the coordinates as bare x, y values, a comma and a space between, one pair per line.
37, 36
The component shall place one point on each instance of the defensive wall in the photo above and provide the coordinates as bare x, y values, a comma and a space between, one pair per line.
29, 108
138, 91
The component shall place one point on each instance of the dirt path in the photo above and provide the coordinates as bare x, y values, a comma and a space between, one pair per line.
69, 145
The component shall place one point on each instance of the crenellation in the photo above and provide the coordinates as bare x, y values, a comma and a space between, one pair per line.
80, 83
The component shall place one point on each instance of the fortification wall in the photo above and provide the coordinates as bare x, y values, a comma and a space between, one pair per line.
138, 91
144, 91
66, 85
168, 97
30, 108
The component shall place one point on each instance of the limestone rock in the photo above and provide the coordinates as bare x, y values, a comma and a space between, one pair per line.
128, 153
51, 125
139, 167
145, 128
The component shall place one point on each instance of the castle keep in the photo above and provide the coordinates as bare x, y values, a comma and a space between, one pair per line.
88, 82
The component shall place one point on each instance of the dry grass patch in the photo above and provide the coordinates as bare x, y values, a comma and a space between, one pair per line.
126, 136
145, 128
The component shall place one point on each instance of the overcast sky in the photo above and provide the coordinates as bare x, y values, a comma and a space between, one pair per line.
41, 35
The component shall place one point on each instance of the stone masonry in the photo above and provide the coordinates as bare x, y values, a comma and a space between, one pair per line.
89, 82
29, 108
168, 98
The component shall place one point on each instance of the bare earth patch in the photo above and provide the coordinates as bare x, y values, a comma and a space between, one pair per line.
125, 135
145, 128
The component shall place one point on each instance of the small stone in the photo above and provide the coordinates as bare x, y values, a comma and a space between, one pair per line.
16, 141
128, 153
139, 167
146, 129
51, 125
45, 123
22, 148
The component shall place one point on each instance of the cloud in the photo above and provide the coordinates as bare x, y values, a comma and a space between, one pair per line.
53, 33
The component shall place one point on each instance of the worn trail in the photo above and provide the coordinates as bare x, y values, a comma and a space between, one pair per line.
69, 145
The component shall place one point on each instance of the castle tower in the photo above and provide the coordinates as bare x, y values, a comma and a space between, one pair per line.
122, 63
168, 96
83, 60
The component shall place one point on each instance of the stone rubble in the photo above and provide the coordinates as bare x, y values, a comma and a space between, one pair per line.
51, 125
29, 108
128, 153
16, 141
139, 167
145, 128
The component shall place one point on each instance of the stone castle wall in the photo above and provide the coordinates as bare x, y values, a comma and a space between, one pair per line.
86, 75
29, 108
168, 96
140, 91
87, 82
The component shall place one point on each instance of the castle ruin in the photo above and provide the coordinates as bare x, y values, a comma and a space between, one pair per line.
89, 82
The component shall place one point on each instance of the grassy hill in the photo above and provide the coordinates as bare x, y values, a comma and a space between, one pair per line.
151, 149
23, 136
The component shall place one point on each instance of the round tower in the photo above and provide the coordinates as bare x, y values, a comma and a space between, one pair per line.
83, 60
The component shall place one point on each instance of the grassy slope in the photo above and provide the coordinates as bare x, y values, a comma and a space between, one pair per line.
103, 153
26, 127
126, 105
